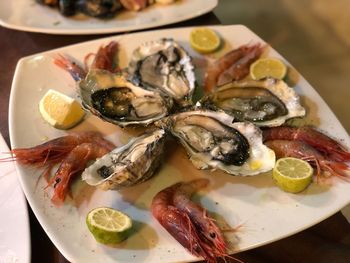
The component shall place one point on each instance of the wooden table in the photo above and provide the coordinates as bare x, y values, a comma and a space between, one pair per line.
329, 241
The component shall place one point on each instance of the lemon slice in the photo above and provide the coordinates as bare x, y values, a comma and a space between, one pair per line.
268, 67
292, 175
108, 226
60, 110
204, 40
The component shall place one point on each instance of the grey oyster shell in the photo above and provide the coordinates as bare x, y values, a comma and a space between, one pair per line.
164, 66
115, 99
128, 165
269, 102
214, 141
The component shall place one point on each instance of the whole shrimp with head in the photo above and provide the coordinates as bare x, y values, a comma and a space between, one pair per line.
72, 152
234, 65
187, 221
311, 145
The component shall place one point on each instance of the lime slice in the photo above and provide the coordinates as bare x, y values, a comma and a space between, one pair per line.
204, 40
60, 110
268, 67
108, 226
292, 175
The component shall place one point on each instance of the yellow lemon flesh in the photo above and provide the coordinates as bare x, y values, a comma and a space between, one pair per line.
204, 40
292, 175
268, 67
108, 226
60, 110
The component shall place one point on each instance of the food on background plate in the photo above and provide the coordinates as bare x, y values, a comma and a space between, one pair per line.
189, 222
268, 68
204, 40
103, 9
292, 175
60, 110
108, 226
268, 102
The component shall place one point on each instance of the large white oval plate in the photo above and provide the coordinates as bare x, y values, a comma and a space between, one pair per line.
266, 212
27, 15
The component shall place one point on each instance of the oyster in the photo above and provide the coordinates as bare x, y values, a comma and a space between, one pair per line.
128, 165
266, 103
213, 140
164, 66
117, 100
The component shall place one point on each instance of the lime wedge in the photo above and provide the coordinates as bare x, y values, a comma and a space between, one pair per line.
292, 175
108, 226
268, 67
204, 40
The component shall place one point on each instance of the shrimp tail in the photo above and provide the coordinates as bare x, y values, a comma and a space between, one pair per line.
337, 169
77, 72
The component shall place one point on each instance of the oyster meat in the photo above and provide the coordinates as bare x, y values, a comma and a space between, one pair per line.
266, 103
128, 165
115, 99
213, 140
164, 66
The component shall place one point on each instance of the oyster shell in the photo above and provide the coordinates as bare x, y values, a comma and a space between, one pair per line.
165, 66
266, 103
128, 165
213, 140
115, 99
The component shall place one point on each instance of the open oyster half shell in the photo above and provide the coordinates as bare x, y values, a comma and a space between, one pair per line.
128, 165
269, 102
164, 66
214, 141
115, 99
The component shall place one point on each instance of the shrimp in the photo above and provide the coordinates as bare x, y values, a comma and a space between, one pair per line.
205, 225
187, 222
329, 147
234, 62
240, 69
73, 163
302, 150
76, 71
105, 59
72, 151
53, 151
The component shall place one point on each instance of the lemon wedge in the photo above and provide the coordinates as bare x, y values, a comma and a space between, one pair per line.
268, 67
204, 40
292, 175
108, 225
60, 110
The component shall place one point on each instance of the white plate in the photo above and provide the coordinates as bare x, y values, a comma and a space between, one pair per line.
267, 213
29, 16
14, 221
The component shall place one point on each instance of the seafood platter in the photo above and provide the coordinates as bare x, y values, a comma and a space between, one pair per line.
98, 16
183, 142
